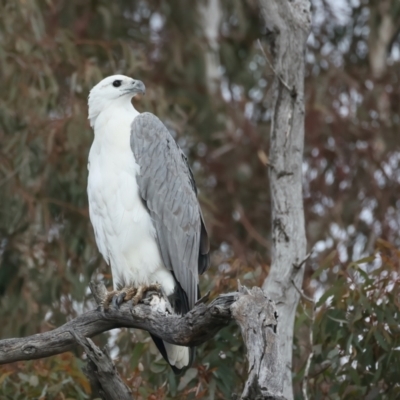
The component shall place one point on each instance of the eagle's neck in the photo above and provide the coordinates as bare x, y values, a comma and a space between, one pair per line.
103, 110
115, 121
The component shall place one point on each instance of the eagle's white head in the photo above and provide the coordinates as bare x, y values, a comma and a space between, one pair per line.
116, 89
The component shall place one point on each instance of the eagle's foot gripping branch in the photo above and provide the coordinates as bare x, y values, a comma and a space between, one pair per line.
129, 293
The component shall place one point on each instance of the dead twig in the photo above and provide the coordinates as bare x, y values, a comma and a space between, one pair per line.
272, 68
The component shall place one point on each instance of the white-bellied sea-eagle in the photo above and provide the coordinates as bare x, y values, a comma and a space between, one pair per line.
143, 204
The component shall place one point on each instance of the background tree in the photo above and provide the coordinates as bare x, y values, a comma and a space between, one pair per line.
53, 52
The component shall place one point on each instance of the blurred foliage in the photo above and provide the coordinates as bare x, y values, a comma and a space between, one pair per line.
53, 378
53, 51
356, 333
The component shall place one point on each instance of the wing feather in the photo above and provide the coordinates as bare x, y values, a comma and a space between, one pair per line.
167, 186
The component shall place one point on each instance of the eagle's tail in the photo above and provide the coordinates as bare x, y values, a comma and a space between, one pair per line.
178, 357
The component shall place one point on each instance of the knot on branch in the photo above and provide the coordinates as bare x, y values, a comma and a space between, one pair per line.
29, 350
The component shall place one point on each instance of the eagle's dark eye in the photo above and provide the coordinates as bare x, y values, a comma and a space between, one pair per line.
117, 83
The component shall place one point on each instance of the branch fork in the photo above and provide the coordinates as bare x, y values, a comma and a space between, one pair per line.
251, 308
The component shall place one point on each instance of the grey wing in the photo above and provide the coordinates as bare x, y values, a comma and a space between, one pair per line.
167, 187
204, 252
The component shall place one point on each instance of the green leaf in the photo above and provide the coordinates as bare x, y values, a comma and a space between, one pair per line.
381, 340
190, 374
158, 367
342, 321
137, 354
364, 260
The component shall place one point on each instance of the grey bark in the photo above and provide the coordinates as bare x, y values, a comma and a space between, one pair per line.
255, 314
253, 311
192, 329
211, 13
104, 379
287, 25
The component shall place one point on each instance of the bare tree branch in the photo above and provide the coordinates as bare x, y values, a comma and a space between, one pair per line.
253, 311
192, 329
101, 372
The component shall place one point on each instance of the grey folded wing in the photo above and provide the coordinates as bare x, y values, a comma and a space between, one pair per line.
167, 187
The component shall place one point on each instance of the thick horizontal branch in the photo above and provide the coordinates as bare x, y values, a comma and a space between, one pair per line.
192, 329
252, 309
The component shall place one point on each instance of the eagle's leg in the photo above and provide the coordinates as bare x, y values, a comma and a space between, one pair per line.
117, 297
141, 290
105, 304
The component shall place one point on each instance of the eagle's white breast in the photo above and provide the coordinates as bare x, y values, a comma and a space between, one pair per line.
123, 227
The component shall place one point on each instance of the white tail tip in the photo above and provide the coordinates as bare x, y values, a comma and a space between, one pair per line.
178, 356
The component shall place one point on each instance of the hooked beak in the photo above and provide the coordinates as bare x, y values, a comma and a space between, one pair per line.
138, 87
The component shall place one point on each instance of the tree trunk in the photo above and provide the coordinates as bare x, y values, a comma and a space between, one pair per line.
384, 25
255, 313
287, 28
211, 13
